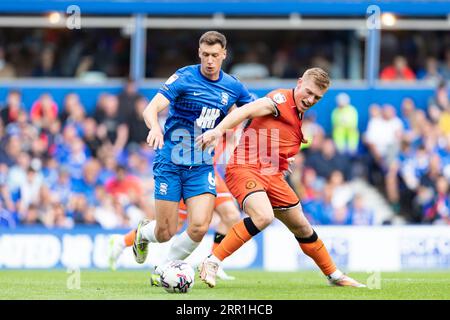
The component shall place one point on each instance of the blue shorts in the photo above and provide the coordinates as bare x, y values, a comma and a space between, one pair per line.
173, 182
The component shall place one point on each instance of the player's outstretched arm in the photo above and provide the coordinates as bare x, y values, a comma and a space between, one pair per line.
155, 138
258, 108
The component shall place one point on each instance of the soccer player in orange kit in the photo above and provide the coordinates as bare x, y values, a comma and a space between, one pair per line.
255, 175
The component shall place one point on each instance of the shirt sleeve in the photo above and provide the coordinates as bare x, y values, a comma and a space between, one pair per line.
174, 86
277, 98
245, 96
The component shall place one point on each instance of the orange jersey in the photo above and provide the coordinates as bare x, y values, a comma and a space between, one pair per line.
270, 140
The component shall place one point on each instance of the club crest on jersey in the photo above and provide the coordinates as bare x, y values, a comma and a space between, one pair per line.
171, 79
279, 98
225, 97
163, 188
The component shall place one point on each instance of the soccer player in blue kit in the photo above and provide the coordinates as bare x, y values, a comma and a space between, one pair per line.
198, 97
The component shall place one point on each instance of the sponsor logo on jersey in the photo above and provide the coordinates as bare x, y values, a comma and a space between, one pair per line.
279, 98
171, 79
208, 117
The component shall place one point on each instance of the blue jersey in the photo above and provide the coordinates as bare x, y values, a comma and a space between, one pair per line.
197, 104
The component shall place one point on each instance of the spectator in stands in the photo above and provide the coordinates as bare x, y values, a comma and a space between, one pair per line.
30, 192
408, 109
341, 216
128, 191
445, 67
383, 135
399, 70
47, 66
344, 120
360, 213
439, 209
444, 153
128, 99
313, 132
444, 122
108, 212
64, 144
10, 111
431, 72
311, 185
250, 67
441, 98
73, 111
327, 160
324, 210
342, 193
76, 158
124, 185
280, 65
90, 137
6, 69
44, 111
23, 129
84, 199
138, 130
111, 125
61, 189
8, 217
10, 152
433, 172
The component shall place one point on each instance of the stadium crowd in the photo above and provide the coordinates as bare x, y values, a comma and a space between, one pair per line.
61, 167
252, 54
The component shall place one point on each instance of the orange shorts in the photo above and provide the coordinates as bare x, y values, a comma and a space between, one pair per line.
223, 195
245, 180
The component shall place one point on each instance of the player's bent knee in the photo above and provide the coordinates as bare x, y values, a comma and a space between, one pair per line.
163, 235
197, 232
262, 221
302, 231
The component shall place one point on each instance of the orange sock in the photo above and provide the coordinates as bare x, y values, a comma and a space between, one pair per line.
129, 238
239, 234
319, 253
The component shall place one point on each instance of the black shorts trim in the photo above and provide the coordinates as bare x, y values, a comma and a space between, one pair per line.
287, 207
249, 194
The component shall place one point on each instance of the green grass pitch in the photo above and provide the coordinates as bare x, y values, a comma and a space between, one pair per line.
257, 285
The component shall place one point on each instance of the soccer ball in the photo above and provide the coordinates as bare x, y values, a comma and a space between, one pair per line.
177, 277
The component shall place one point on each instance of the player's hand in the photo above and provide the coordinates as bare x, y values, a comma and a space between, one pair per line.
304, 140
208, 140
155, 138
291, 161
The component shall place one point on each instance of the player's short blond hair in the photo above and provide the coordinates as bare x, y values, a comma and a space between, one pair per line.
212, 38
319, 76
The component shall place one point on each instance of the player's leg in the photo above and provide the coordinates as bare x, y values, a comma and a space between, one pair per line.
168, 186
117, 244
229, 215
162, 229
313, 246
155, 275
288, 210
257, 206
226, 209
199, 193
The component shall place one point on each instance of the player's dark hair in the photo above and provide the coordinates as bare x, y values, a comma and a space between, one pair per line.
212, 38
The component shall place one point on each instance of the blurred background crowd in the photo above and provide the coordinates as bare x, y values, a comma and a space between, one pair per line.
62, 166
105, 53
